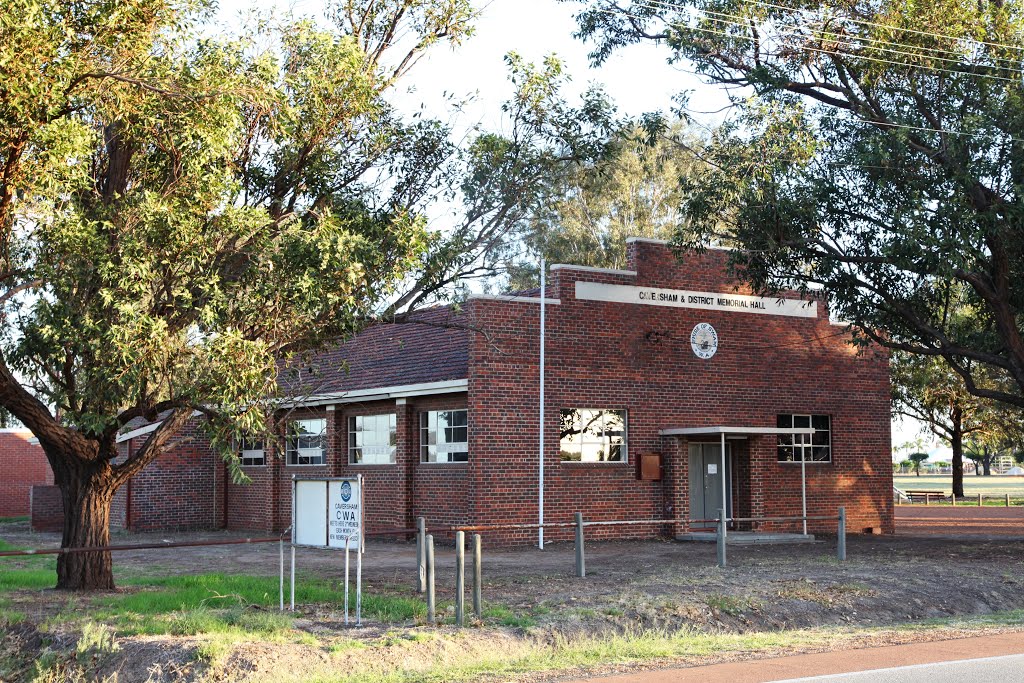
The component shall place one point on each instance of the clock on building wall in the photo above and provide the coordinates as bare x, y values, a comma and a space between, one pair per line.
704, 340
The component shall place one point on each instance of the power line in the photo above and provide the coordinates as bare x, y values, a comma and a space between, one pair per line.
882, 124
862, 22
736, 24
736, 20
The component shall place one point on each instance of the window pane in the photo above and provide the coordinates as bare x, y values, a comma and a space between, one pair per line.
820, 422
784, 421
801, 420
592, 435
786, 454
819, 438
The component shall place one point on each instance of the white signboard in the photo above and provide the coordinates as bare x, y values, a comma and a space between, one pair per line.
344, 513
327, 511
684, 298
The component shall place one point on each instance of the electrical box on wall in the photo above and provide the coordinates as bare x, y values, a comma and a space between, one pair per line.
649, 467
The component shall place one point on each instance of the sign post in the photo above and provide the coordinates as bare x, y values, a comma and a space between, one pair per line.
328, 513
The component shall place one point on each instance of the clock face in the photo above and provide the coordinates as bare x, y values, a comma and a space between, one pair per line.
704, 340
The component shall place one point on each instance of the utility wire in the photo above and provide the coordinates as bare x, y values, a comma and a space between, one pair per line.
883, 124
849, 40
744, 26
862, 22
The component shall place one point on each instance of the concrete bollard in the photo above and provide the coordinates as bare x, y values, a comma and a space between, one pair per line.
581, 560
478, 609
430, 579
952, 500
721, 538
841, 545
927, 498
421, 554
460, 577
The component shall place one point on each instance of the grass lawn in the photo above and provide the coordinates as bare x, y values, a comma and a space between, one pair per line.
973, 485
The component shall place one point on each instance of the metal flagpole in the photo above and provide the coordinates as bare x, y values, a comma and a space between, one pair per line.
540, 487
725, 505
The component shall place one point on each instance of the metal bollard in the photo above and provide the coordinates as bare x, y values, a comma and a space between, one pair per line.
979, 500
1007, 500
721, 538
281, 587
478, 608
841, 546
581, 560
927, 498
952, 500
430, 580
421, 554
460, 577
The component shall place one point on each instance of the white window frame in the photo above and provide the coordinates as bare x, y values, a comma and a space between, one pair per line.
623, 447
245, 447
294, 454
429, 419
803, 444
391, 422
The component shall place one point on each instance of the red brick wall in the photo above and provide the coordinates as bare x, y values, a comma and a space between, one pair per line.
47, 508
22, 464
638, 357
177, 490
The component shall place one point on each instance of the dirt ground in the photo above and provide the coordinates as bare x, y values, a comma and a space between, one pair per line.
630, 586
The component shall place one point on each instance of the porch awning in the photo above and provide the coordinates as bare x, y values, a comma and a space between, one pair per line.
715, 430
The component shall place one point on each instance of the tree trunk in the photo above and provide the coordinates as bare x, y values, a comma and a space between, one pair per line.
87, 491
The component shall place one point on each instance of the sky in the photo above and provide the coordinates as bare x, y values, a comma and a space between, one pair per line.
637, 78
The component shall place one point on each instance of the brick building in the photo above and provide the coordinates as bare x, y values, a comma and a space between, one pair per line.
649, 372
22, 466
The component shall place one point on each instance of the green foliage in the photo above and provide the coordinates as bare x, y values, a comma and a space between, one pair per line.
632, 190
874, 155
917, 459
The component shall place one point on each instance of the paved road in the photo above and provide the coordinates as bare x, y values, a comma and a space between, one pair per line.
997, 658
1005, 669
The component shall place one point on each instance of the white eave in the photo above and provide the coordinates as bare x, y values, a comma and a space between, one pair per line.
452, 386
734, 431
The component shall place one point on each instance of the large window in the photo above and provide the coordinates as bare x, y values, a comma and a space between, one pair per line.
307, 442
250, 452
592, 435
816, 447
371, 439
444, 436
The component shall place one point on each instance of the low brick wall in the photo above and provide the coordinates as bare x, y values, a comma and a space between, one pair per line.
47, 508
22, 465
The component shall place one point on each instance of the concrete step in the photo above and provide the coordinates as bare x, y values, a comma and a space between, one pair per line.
746, 537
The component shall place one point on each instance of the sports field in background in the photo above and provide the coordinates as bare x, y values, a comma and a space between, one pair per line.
994, 485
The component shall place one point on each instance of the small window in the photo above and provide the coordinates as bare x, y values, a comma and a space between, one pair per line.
592, 435
250, 452
444, 436
372, 439
816, 447
307, 442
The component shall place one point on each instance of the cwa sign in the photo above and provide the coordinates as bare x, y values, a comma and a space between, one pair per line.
328, 512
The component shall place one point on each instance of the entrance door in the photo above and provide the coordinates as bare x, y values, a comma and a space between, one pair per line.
706, 482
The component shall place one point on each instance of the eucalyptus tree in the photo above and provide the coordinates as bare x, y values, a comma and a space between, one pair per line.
924, 388
179, 214
632, 190
875, 152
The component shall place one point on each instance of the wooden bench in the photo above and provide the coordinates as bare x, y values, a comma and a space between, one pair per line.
916, 495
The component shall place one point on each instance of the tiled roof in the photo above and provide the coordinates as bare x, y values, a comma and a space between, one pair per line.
428, 347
